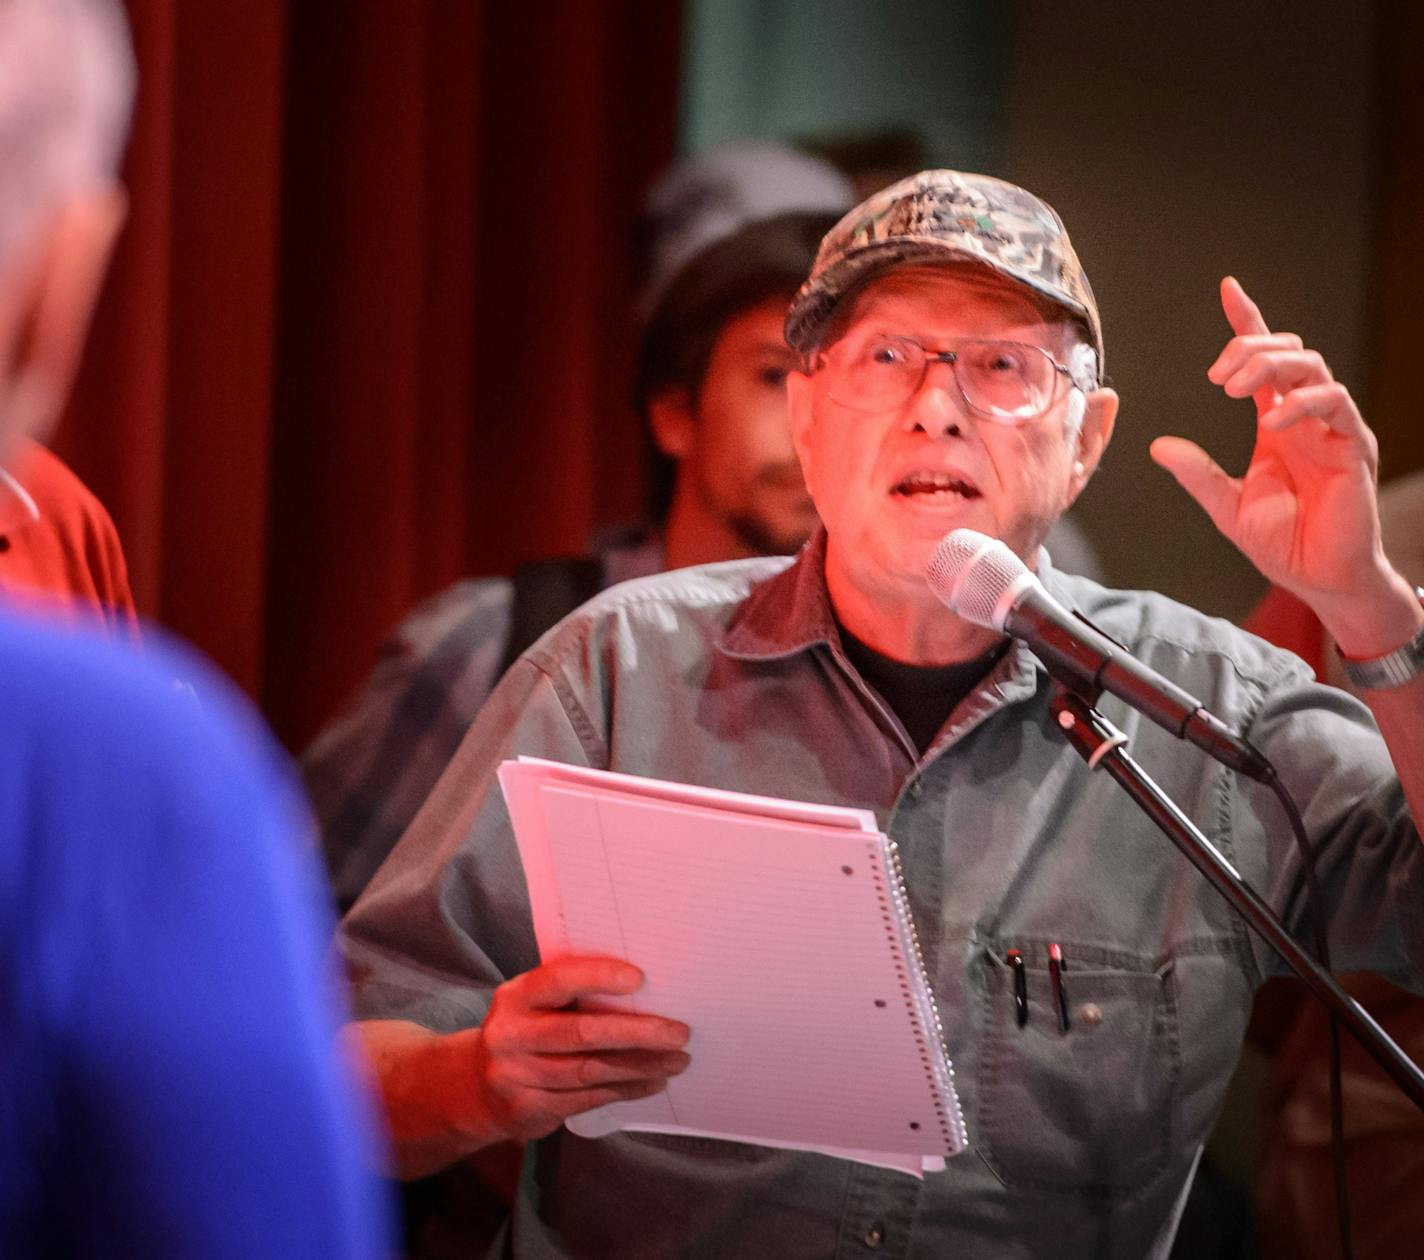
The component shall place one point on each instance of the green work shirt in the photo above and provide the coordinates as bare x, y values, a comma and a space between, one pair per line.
1081, 1144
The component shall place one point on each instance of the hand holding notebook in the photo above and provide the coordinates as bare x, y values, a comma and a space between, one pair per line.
541, 1061
776, 930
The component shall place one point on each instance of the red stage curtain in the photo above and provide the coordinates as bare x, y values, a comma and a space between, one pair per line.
369, 328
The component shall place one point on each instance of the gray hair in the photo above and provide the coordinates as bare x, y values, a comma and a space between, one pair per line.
1083, 372
66, 92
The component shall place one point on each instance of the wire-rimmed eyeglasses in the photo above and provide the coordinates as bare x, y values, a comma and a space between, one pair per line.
1010, 382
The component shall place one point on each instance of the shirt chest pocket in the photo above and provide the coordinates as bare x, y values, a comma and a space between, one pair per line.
1087, 1111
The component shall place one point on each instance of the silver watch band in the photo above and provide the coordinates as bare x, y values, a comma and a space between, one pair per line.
1393, 668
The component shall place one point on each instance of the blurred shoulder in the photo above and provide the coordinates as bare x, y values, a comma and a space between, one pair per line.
702, 596
472, 607
56, 489
112, 704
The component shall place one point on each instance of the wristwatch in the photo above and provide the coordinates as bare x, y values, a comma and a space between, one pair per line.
1393, 668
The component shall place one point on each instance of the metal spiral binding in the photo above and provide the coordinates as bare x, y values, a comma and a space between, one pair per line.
956, 1135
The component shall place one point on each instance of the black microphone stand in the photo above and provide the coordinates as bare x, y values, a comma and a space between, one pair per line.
1101, 745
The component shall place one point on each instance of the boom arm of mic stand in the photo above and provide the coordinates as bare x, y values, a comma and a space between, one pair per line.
1101, 746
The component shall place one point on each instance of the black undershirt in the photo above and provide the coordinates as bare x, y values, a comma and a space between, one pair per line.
921, 696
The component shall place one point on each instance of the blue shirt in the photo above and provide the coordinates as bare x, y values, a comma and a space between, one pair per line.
170, 1083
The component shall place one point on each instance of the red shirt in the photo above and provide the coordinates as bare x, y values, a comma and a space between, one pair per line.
58, 546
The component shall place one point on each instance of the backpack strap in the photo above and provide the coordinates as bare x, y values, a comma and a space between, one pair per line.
545, 592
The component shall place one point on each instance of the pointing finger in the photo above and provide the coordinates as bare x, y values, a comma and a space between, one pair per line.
1242, 313
1246, 320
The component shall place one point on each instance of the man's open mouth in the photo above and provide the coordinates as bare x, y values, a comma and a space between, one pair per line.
933, 485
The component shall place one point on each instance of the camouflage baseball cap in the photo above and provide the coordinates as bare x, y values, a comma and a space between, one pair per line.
942, 216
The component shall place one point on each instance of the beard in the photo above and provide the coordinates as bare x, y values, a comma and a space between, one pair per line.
766, 527
764, 538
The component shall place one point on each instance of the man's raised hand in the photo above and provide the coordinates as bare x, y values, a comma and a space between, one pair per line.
1304, 512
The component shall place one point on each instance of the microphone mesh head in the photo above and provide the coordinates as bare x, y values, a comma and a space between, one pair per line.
970, 573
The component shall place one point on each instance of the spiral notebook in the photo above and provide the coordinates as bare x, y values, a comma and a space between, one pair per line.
777, 930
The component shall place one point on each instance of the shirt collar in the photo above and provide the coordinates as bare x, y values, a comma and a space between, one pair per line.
791, 612
788, 613
17, 508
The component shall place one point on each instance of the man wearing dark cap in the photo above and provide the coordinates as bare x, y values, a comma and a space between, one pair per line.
952, 354
710, 385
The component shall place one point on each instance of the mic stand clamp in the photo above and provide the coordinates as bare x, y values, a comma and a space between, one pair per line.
1102, 746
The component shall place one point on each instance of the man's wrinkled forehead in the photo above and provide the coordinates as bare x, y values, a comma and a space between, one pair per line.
937, 290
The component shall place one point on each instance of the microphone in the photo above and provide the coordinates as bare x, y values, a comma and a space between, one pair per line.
980, 579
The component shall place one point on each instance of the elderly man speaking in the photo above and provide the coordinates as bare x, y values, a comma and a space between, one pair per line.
952, 355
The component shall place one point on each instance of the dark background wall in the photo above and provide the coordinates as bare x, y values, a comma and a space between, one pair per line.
1180, 143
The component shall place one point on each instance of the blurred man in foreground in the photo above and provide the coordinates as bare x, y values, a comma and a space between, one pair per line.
170, 1083
952, 353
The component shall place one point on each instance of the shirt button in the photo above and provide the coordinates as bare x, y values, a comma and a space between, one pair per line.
917, 789
875, 1235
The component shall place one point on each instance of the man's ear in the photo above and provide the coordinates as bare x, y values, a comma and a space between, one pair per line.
799, 411
59, 285
1095, 433
671, 420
